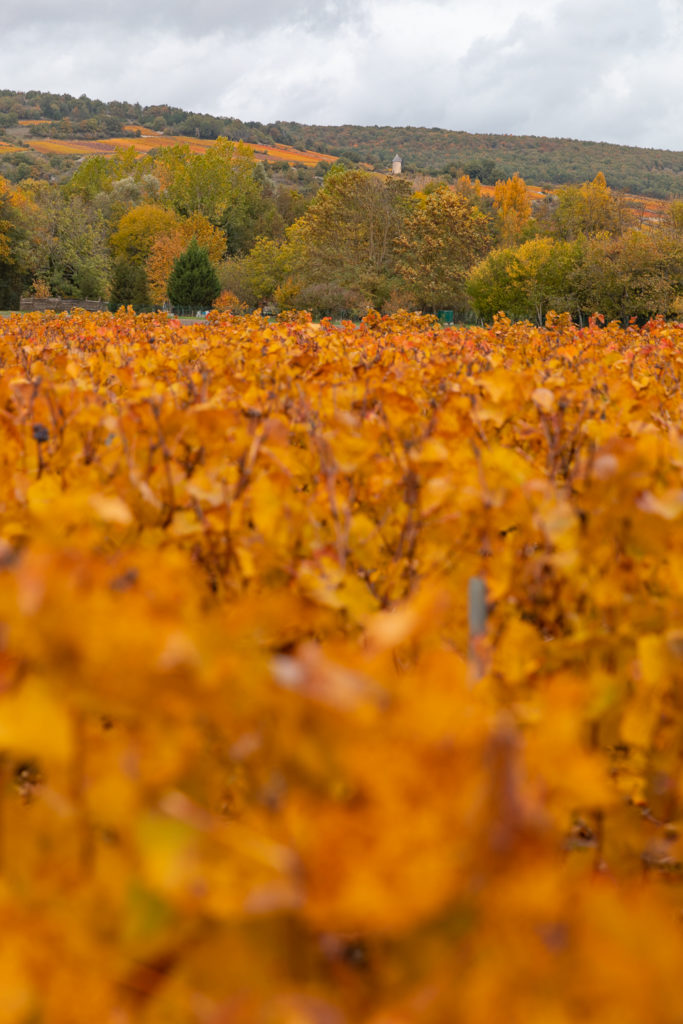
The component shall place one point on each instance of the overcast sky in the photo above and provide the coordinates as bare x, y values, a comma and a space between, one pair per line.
608, 70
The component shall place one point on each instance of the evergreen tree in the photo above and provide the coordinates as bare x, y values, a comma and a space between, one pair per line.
193, 282
129, 286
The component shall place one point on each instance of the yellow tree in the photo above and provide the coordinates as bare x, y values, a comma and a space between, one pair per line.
443, 238
138, 230
171, 243
471, 190
589, 209
512, 204
5, 222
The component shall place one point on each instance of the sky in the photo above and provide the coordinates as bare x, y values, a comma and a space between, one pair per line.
606, 70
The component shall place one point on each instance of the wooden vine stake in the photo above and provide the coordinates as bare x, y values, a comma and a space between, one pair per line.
476, 621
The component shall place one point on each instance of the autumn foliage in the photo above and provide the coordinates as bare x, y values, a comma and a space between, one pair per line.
254, 769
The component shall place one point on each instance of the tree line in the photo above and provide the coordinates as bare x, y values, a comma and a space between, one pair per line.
372, 242
338, 246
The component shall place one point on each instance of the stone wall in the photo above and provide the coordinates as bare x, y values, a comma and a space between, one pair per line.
33, 305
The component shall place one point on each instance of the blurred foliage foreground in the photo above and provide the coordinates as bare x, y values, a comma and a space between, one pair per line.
253, 769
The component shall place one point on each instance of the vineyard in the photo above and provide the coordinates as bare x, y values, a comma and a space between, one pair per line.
150, 141
255, 768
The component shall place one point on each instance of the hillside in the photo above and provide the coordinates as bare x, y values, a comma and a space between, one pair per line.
27, 119
144, 141
491, 157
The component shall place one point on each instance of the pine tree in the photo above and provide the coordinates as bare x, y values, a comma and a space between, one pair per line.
193, 282
129, 286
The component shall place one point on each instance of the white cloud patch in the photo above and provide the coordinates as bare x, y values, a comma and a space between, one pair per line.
594, 69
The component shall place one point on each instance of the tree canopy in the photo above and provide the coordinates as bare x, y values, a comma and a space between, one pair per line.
443, 237
343, 251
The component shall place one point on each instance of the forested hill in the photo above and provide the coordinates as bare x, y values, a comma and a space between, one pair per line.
544, 161
433, 151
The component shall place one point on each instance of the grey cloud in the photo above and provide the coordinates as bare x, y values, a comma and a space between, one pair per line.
194, 19
550, 78
593, 69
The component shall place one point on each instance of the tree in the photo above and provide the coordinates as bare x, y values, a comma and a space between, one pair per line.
224, 184
526, 282
129, 286
12, 272
138, 230
342, 254
543, 277
511, 202
168, 245
442, 239
673, 219
65, 245
639, 274
113, 184
491, 285
588, 209
255, 277
193, 282
290, 204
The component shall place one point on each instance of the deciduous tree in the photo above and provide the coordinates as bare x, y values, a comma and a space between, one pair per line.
65, 244
526, 282
511, 202
343, 252
13, 276
225, 185
138, 230
255, 277
588, 209
442, 239
639, 274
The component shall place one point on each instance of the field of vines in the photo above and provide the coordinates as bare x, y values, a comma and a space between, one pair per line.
254, 766
151, 140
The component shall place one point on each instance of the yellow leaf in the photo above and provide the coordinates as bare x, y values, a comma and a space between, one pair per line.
500, 385
544, 399
111, 509
184, 524
18, 994
642, 712
266, 506
668, 505
517, 653
167, 849
34, 722
43, 493
653, 658
326, 583
433, 450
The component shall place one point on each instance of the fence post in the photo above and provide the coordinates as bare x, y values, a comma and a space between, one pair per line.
476, 623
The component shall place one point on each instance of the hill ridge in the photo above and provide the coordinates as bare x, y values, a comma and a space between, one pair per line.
545, 160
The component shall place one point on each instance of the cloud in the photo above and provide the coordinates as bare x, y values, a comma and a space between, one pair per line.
196, 19
594, 69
